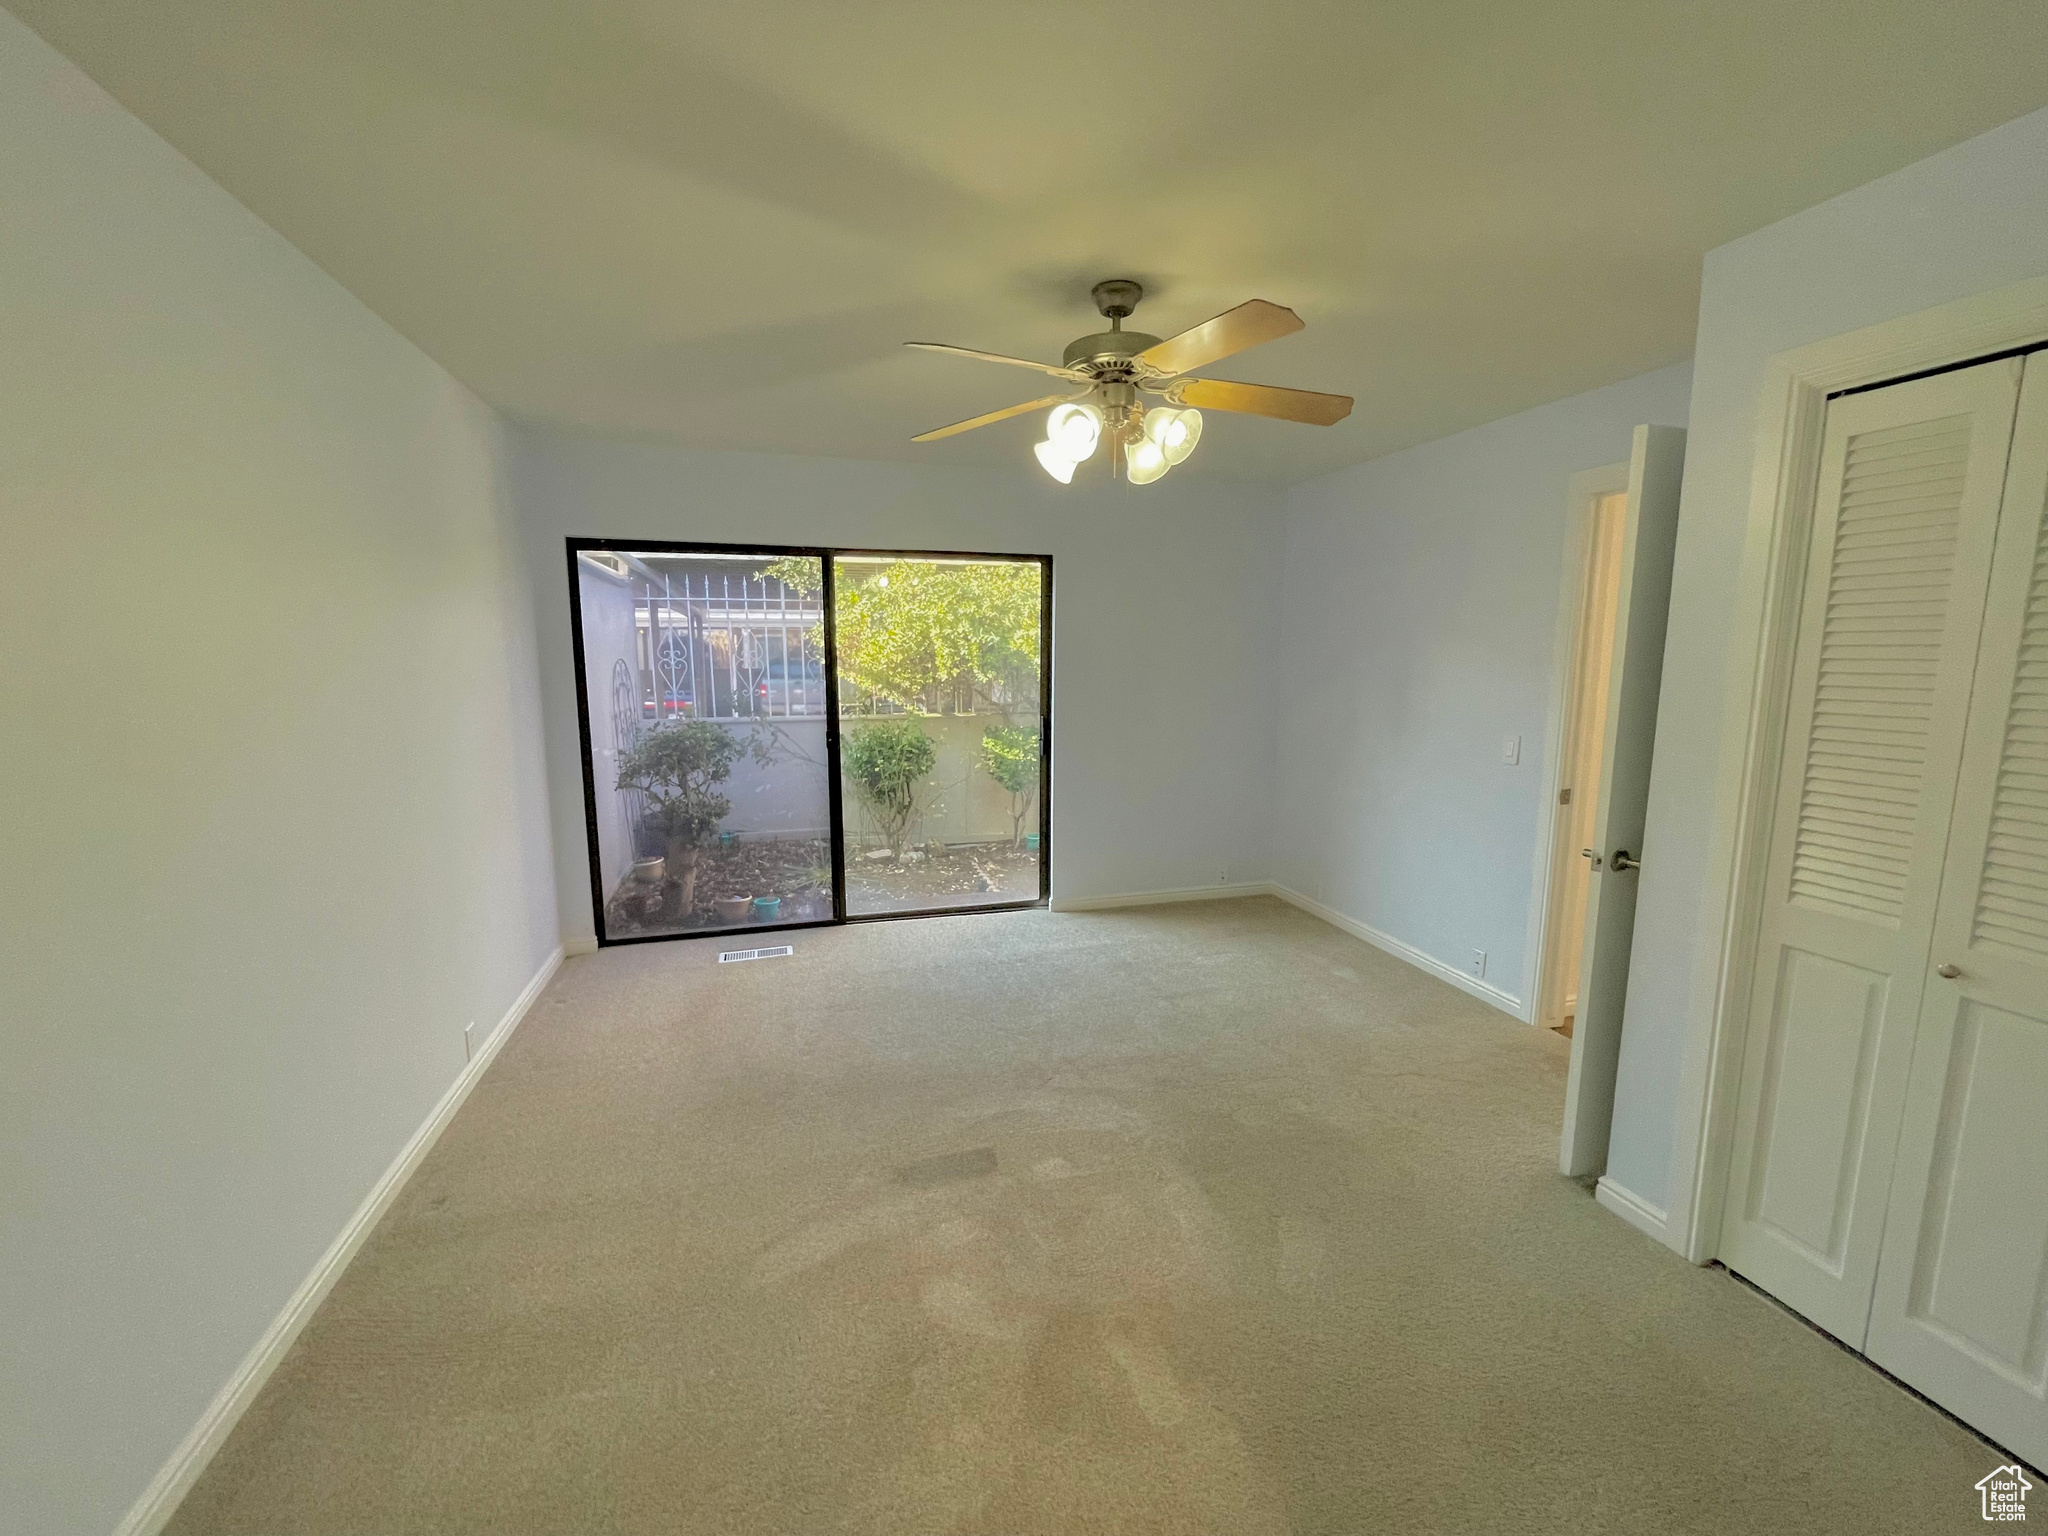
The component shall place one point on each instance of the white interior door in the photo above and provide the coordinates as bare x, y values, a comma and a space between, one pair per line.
1905, 513
1590, 670
1961, 1309
1641, 605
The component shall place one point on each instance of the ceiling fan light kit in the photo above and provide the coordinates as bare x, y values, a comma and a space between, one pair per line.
1117, 368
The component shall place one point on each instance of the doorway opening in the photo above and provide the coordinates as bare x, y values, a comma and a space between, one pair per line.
1592, 591
779, 738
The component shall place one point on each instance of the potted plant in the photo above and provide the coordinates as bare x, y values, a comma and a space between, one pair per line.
678, 767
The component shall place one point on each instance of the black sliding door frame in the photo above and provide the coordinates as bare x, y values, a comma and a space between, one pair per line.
828, 596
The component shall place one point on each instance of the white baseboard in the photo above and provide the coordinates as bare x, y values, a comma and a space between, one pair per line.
1633, 1209
175, 1478
1506, 1002
580, 944
1159, 898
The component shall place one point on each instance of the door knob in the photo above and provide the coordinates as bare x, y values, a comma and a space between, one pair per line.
1621, 863
1948, 972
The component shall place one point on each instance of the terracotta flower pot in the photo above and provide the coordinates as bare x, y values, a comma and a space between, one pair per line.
732, 909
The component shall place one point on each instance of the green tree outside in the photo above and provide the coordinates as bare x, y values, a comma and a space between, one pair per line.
1009, 755
909, 630
884, 760
679, 767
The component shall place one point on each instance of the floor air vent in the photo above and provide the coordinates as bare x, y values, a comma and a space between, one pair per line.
755, 954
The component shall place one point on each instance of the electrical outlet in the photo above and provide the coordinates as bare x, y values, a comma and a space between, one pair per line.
1478, 966
469, 1041
1511, 749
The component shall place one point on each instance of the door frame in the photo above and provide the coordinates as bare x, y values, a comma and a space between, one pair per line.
578, 546
1792, 413
1581, 496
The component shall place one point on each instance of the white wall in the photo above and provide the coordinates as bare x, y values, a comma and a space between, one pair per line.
1965, 221
1164, 694
1420, 595
271, 807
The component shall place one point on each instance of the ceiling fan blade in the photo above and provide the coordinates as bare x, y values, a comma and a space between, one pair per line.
1264, 400
1231, 332
981, 421
996, 357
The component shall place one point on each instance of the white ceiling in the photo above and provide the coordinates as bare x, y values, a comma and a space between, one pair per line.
716, 222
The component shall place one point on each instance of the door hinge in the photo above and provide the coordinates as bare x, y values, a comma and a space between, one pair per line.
1564, 796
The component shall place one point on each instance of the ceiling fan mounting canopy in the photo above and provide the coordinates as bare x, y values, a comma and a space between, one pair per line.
1117, 297
1113, 366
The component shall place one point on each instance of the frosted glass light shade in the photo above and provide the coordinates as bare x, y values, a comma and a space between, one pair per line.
1056, 463
1176, 431
1074, 430
1145, 462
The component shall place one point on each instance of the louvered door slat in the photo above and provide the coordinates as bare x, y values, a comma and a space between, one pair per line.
1891, 540
2012, 901
1878, 657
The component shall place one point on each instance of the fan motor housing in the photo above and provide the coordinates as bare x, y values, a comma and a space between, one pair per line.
1109, 354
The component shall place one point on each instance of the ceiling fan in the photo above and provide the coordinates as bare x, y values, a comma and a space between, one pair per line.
1116, 368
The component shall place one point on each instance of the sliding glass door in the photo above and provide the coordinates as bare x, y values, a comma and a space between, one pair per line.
942, 711
706, 711
780, 737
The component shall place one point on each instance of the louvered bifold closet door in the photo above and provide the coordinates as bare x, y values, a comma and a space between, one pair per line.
1962, 1286
1900, 549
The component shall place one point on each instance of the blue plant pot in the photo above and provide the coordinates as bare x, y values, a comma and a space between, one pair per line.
727, 839
767, 908
1031, 841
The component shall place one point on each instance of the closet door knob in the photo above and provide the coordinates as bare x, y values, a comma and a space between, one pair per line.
1948, 972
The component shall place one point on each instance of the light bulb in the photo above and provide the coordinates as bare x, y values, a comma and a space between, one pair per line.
1056, 463
1144, 462
1175, 431
1074, 430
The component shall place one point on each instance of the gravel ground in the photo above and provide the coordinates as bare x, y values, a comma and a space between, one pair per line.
800, 872
957, 877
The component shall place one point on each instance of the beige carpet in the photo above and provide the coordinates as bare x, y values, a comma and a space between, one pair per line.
1183, 1219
